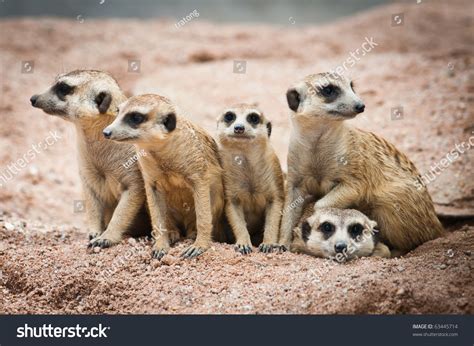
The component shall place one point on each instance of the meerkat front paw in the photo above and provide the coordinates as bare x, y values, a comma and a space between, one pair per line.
174, 236
194, 250
93, 235
105, 240
267, 248
244, 249
159, 253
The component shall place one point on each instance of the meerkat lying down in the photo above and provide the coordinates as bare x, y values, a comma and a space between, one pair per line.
340, 234
343, 167
253, 180
182, 173
114, 194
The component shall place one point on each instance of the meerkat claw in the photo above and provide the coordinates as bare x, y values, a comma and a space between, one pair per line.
243, 249
93, 236
192, 252
158, 254
282, 248
267, 248
102, 243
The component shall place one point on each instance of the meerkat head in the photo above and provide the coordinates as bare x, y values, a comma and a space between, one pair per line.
80, 94
342, 234
326, 96
142, 119
243, 123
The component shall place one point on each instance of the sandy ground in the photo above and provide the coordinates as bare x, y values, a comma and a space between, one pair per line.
423, 66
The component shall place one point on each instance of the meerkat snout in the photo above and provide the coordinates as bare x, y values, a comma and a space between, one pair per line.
325, 95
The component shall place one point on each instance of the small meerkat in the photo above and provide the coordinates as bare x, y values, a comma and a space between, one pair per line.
253, 180
114, 194
341, 234
182, 172
344, 167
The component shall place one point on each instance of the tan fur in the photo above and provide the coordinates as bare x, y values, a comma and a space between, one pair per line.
183, 176
253, 180
114, 195
343, 167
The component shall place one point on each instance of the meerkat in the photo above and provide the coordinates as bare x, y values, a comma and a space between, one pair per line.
114, 195
182, 172
253, 180
340, 234
344, 167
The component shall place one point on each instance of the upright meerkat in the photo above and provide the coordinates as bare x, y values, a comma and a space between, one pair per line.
343, 167
114, 195
253, 180
182, 172
340, 234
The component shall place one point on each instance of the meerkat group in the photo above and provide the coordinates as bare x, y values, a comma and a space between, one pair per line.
348, 193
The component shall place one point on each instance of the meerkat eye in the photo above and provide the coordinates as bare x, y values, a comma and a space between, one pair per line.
352, 86
229, 117
329, 91
326, 227
253, 118
135, 118
356, 230
63, 89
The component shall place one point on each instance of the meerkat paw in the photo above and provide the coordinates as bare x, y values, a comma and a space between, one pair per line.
244, 249
267, 248
174, 236
93, 235
282, 248
159, 253
104, 240
193, 251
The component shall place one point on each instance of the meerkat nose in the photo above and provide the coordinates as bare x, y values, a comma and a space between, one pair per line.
107, 133
33, 100
239, 129
340, 247
359, 108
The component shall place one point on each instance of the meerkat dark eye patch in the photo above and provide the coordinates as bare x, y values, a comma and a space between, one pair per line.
330, 92
134, 119
170, 122
305, 231
269, 129
229, 117
253, 119
352, 86
103, 101
327, 229
355, 230
62, 89
294, 99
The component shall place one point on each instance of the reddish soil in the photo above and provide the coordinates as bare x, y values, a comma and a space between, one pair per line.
424, 66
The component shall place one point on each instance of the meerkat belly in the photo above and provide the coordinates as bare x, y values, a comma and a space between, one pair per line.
179, 198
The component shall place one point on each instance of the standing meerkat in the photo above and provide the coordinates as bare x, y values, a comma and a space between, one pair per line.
114, 194
253, 180
343, 167
340, 234
182, 172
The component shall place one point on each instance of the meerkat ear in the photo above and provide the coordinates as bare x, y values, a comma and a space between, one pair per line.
305, 230
170, 122
293, 98
103, 101
269, 129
